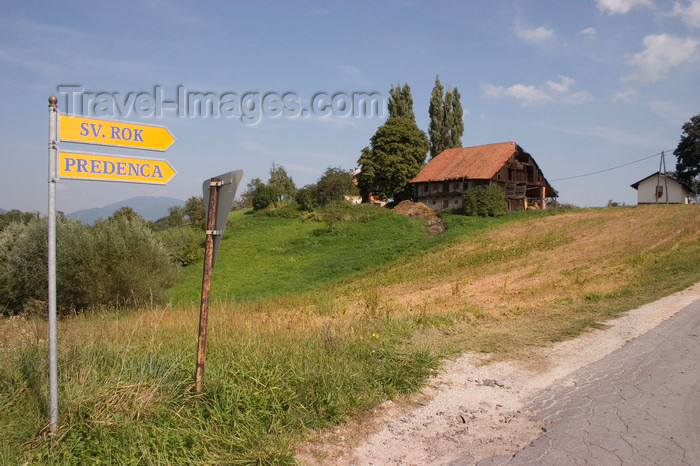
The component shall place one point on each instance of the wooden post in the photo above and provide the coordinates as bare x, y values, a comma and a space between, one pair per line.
206, 283
543, 192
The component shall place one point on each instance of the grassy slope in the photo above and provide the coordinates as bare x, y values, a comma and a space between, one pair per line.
281, 365
267, 256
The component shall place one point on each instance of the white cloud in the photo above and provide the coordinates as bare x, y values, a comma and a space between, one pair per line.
588, 32
626, 95
561, 87
690, 13
661, 53
621, 6
550, 92
528, 94
536, 35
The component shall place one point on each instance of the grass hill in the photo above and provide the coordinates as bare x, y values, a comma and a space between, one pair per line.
310, 326
266, 256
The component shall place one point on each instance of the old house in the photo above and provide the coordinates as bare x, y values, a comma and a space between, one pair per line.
659, 188
441, 183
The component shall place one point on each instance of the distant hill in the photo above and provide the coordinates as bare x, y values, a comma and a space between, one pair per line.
2, 211
150, 208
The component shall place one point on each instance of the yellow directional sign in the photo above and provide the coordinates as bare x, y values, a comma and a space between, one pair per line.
114, 133
102, 167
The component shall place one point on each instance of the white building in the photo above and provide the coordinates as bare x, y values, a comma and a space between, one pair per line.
659, 188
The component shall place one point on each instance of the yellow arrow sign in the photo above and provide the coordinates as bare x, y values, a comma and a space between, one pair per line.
114, 133
101, 167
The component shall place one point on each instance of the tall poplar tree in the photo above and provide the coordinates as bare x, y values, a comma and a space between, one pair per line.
437, 119
446, 124
457, 119
400, 102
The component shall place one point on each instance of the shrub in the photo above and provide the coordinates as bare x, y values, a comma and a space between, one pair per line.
183, 244
117, 262
485, 201
284, 209
334, 185
306, 197
263, 196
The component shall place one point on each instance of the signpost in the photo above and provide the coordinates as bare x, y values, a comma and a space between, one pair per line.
103, 167
218, 198
115, 133
98, 167
53, 178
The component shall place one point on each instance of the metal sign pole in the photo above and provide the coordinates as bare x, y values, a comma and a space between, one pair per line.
206, 282
53, 358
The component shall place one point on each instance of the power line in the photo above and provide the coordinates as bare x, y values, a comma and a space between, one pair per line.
609, 169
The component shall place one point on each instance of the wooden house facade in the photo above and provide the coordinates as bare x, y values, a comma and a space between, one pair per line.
441, 183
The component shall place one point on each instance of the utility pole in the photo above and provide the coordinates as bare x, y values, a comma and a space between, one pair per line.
662, 163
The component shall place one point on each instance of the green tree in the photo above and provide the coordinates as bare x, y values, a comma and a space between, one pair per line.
279, 188
281, 183
396, 155
334, 185
263, 196
437, 119
176, 216
688, 154
456, 121
127, 213
194, 211
245, 199
446, 119
400, 102
306, 197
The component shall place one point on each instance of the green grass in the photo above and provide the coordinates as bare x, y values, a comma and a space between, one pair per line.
317, 333
267, 256
127, 396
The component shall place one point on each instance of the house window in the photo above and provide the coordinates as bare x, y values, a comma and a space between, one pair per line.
446, 187
435, 187
426, 189
455, 186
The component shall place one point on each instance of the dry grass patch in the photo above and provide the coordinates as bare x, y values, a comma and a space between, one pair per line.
540, 262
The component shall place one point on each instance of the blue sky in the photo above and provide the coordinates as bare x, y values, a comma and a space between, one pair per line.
582, 86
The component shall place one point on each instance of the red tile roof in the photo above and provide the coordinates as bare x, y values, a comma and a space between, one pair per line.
479, 162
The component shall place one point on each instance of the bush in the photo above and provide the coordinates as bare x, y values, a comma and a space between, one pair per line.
485, 201
263, 196
117, 262
184, 244
284, 209
334, 185
306, 197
